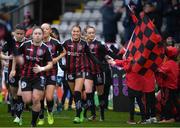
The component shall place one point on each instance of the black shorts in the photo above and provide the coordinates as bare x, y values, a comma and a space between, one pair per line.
51, 80
99, 79
28, 84
14, 81
73, 76
70, 77
85, 75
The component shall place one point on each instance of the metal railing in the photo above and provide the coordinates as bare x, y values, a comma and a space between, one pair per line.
17, 14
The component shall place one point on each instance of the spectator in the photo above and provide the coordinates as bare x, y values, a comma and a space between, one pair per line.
128, 22
153, 8
171, 13
28, 21
109, 18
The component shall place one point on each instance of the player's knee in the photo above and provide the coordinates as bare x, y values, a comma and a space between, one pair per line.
49, 97
27, 100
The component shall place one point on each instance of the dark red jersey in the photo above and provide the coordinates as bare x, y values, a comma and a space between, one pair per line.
55, 48
77, 56
33, 55
99, 51
7, 48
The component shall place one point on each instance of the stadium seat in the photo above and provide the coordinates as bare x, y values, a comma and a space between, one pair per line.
90, 5
67, 16
76, 16
63, 27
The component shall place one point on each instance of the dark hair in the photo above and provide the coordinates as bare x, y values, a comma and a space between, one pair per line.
3, 30
76, 25
56, 32
30, 18
21, 27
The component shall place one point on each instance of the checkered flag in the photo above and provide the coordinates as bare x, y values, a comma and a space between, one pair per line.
145, 46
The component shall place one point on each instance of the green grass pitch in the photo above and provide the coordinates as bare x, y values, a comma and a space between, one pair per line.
64, 119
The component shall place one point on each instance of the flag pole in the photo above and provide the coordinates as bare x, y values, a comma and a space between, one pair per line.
130, 8
124, 56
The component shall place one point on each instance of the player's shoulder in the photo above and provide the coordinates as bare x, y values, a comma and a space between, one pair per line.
67, 41
98, 42
26, 42
55, 40
83, 41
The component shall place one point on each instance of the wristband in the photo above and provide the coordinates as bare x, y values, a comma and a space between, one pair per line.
42, 69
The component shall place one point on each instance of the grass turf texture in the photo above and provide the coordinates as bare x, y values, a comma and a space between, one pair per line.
65, 118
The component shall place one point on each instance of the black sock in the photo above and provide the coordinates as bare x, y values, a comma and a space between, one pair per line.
34, 118
50, 105
41, 114
101, 104
77, 98
83, 101
90, 103
19, 106
85, 106
13, 106
9, 103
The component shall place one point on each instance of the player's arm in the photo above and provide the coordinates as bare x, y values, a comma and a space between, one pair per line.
5, 57
37, 68
91, 56
13, 69
4, 50
62, 54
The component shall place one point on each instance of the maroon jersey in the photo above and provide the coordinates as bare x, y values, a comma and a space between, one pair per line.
99, 51
77, 56
55, 48
6, 48
33, 55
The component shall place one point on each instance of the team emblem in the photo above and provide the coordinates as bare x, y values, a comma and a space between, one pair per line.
53, 78
39, 52
91, 46
79, 47
50, 47
70, 77
23, 84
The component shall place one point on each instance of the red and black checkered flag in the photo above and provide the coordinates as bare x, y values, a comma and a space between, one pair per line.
145, 46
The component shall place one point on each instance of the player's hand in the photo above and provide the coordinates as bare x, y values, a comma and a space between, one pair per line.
20, 60
10, 57
37, 68
55, 60
111, 62
12, 74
